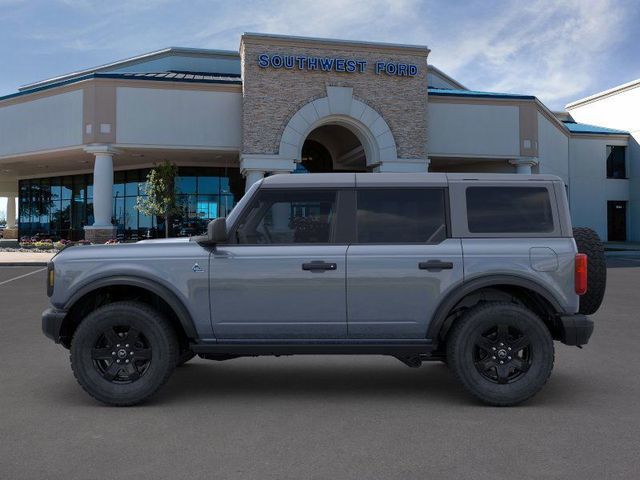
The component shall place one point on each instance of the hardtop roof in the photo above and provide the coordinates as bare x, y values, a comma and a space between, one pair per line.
319, 180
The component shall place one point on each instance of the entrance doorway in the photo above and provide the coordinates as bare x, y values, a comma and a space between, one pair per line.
617, 221
332, 148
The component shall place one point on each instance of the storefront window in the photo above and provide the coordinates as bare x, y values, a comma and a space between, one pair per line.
60, 207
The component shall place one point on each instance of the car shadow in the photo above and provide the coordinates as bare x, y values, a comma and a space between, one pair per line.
242, 380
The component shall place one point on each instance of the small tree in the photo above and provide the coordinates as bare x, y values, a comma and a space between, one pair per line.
160, 194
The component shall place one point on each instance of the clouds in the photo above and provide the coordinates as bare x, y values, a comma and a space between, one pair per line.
557, 50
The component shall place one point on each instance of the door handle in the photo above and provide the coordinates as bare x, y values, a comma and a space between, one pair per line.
319, 266
435, 265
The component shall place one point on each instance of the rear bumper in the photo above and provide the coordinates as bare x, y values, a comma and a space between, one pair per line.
575, 329
52, 319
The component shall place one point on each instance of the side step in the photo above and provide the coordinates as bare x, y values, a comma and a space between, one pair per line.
405, 349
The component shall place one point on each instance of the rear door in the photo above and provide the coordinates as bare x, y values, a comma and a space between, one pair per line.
401, 262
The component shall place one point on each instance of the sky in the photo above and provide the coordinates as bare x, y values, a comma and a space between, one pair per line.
557, 50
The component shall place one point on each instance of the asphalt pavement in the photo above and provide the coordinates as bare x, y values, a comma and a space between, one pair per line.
320, 417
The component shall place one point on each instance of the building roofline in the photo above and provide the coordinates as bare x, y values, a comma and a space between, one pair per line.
230, 80
422, 49
605, 93
129, 61
446, 77
449, 92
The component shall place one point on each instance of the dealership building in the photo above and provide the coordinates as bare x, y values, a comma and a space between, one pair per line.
75, 149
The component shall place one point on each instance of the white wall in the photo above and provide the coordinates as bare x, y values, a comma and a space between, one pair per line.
50, 122
462, 129
589, 187
621, 111
553, 149
151, 116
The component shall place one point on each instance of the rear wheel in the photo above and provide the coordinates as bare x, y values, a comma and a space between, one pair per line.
122, 353
501, 352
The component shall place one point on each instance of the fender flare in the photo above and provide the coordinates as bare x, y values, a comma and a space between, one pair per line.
154, 287
464, 289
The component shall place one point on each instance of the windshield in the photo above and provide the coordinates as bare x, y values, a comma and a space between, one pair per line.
233, 215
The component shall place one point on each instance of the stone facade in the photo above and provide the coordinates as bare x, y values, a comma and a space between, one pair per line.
272, 96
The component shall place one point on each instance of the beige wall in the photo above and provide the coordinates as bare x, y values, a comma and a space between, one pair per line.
272, 96
553, 149
473, 129
43, 123
190, 118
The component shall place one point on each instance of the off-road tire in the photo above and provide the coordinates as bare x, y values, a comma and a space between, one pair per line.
589, 243
462, 349
154, 330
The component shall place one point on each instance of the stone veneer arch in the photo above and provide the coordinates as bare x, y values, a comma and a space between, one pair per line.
340, 108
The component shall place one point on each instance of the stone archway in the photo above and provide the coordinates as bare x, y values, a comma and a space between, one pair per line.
341, 109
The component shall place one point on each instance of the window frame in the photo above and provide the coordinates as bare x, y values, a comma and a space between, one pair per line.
625, 156
459, 216
445, 205
339, 226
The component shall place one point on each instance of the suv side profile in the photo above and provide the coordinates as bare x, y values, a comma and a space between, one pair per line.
480, 271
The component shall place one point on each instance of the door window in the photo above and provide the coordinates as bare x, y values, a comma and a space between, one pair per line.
289, 217
407, 215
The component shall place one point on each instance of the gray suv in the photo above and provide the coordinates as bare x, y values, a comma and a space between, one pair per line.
482, 272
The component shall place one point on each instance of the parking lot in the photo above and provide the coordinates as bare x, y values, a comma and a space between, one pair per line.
320, 417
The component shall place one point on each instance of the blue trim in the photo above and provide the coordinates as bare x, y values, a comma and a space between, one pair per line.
586, 128
449, 92
230, 80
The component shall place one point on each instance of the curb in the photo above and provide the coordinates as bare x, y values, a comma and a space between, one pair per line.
622, 253
23, 264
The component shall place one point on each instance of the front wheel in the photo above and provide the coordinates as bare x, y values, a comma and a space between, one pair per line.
123, 352
502, 353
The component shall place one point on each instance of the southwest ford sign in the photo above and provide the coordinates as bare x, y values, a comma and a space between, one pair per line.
331, 64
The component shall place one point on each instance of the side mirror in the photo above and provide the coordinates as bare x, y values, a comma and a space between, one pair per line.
217, 230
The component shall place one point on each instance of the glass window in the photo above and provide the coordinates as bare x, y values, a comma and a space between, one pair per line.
67, 188
281, 217
415, 215
186, 184
118, 184
131, 185
616, 161
509, 210
208, 185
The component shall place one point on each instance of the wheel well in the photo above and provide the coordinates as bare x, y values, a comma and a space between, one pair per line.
503, 293
116, 293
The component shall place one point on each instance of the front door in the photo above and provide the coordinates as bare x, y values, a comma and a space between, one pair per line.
284, 277
401, 264
617, 221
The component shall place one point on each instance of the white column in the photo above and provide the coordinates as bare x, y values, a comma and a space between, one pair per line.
103, 189
102, 228
251, 177
523, 165
11, 211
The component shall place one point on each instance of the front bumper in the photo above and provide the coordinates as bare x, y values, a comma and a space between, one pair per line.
52, 319
575, 329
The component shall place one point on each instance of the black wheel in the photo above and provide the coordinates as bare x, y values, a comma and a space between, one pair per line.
184, 356
589, 243
123, 352
501, 352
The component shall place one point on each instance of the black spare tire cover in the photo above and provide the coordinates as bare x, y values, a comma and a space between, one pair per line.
589, 243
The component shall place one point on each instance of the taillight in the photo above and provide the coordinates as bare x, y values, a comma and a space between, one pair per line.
581, 274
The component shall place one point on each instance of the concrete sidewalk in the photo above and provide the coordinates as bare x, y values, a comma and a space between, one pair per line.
20, 259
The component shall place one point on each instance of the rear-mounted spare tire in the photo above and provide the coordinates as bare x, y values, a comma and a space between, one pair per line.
589, 243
